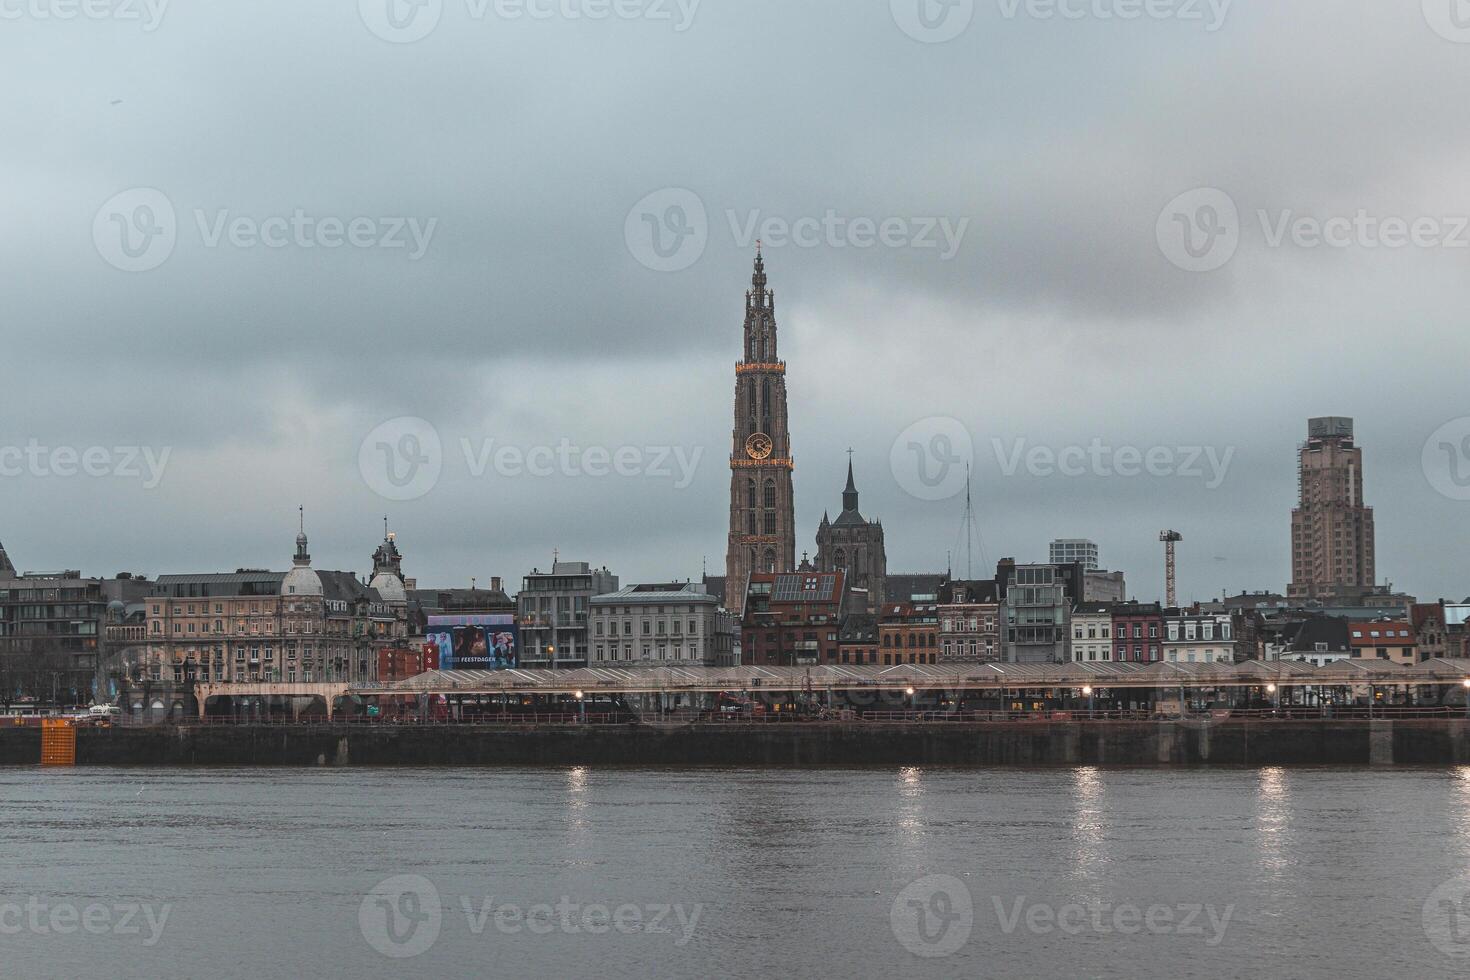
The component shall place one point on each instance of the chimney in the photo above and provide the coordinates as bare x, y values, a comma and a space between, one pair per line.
495, 583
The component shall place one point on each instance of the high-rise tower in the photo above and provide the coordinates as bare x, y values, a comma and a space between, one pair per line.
762, 519
1331, 530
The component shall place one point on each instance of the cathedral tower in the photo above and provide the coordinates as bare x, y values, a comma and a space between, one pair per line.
854, 545
762, 518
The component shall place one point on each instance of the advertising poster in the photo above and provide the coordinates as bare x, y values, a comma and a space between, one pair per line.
475, 642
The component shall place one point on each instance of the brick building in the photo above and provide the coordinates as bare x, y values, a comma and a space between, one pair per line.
908, 633
1138, 632
969, 622
793, 618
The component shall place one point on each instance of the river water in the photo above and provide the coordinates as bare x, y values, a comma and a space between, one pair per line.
755, 873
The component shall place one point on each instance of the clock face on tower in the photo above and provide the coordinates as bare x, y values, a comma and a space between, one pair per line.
758, 446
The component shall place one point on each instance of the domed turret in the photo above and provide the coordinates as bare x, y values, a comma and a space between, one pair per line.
388, 569
301, 580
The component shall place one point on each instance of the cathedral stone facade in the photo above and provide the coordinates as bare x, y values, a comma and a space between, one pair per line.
853, 545
762, 518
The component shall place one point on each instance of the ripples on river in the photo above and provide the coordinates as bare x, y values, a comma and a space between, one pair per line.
638, 873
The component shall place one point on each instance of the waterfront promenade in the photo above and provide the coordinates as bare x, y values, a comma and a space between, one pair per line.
1050, 740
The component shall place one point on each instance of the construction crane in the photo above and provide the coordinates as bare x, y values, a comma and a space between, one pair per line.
1170, 538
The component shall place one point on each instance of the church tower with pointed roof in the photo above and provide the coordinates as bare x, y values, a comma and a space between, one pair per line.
762, 512
854, 545
7, 570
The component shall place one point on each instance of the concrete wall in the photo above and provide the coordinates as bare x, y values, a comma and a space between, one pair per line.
1013, 744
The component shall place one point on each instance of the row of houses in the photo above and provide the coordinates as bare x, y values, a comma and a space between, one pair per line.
65, 638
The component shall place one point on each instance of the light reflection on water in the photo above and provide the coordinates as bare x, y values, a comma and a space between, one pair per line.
1273, 821
1089, 829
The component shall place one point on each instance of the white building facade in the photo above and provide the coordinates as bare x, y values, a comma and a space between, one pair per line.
1092, 633
1200, 638
659, 626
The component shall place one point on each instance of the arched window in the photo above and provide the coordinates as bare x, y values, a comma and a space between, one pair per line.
839, 560
770, 501
770, 564
770, 522
750, 497
750, 522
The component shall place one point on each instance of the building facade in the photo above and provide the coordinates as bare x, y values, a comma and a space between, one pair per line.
854, 545
970, 622
1315, 640
660, 626
1430, 634
1065, 551
793, 618
301, 626
1390, 639
1092, 632
1198, 637
857, 639
762, 513
908, 633
51, 636
1332, 545
1037, 605
1138, 632
552, 610
1103, 586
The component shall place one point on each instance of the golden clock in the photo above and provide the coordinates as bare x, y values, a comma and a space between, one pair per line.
758, 446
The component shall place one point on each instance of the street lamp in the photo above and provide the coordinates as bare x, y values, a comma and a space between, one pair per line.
910, 692
581, 705
1087, 693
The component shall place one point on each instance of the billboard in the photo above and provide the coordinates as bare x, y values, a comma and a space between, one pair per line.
487, 642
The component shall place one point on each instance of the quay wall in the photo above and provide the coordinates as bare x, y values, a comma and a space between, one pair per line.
1438, 742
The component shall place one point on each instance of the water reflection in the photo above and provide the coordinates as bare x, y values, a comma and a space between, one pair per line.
911, 821
1089, 834
579, 802
1461, 791
1273, 821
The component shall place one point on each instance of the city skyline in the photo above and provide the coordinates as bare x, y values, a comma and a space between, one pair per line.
927, 485
529, 318
344, 554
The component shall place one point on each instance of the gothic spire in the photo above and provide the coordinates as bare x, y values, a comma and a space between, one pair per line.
850, 493
6, 568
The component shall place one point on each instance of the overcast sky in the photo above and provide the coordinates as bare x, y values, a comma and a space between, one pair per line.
1003, 265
